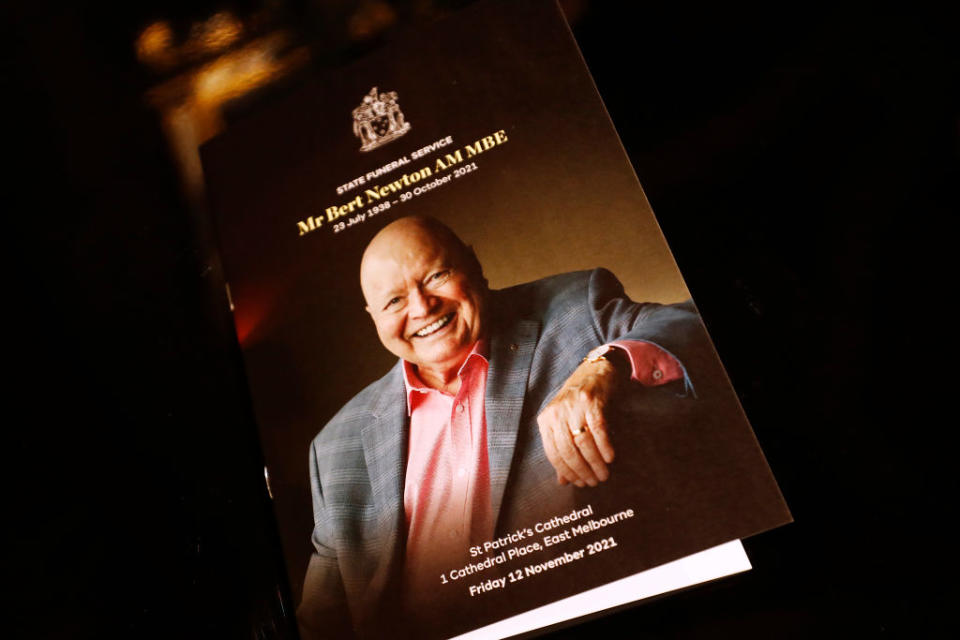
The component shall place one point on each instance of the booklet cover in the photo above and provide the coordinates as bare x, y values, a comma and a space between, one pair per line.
486, 401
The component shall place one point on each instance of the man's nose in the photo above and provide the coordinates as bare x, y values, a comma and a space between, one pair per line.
421, 304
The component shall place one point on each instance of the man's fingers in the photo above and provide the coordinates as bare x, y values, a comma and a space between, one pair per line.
585, 436
561, 465
598, 429
570, 453
564, 473
588, 449
574, 434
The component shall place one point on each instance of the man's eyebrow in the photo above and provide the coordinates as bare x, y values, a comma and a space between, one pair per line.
390, 295
444, 265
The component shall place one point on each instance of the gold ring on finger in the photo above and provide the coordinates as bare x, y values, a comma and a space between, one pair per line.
576, 432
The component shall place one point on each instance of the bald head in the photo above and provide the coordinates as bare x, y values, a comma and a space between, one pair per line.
425, 291
417, 232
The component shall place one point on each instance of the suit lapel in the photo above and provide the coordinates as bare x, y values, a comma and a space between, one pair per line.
385, 452
385, 438
511, 354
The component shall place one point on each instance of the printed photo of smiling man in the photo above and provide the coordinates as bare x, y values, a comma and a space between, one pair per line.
495, 413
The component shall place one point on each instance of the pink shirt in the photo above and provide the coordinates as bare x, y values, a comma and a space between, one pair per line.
446, 493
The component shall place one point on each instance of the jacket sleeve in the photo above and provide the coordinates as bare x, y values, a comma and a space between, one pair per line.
323, 610
675, 328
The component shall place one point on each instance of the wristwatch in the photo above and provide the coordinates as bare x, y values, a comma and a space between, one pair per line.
617, 357
599, 353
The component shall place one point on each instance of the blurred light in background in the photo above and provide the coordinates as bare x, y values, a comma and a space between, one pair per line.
155, 46
370, 20
216, 34
218, 62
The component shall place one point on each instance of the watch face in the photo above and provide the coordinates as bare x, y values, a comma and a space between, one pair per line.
598, 352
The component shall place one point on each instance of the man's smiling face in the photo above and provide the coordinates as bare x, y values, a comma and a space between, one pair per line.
425, 295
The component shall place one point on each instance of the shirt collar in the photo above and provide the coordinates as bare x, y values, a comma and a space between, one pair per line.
413, 384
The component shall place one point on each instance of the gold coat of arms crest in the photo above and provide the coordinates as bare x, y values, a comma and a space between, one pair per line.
378, 120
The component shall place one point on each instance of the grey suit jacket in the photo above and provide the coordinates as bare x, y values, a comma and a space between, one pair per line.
540, 333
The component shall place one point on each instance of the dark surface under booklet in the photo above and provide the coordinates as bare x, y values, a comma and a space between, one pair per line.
459, 202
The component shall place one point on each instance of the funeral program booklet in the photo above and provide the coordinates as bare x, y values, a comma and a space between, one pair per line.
486, 401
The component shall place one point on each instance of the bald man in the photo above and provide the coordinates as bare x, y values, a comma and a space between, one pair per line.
494, 416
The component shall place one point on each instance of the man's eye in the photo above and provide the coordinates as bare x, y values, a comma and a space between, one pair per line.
440, 275
392, 302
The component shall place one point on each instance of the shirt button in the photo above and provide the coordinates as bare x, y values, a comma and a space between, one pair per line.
460, 408
657, 374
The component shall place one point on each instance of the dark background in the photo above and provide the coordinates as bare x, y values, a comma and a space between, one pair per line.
801, 162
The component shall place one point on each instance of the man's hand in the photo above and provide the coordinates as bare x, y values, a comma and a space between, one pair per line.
573, 427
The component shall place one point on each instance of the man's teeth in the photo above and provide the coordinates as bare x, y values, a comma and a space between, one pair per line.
434, 326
